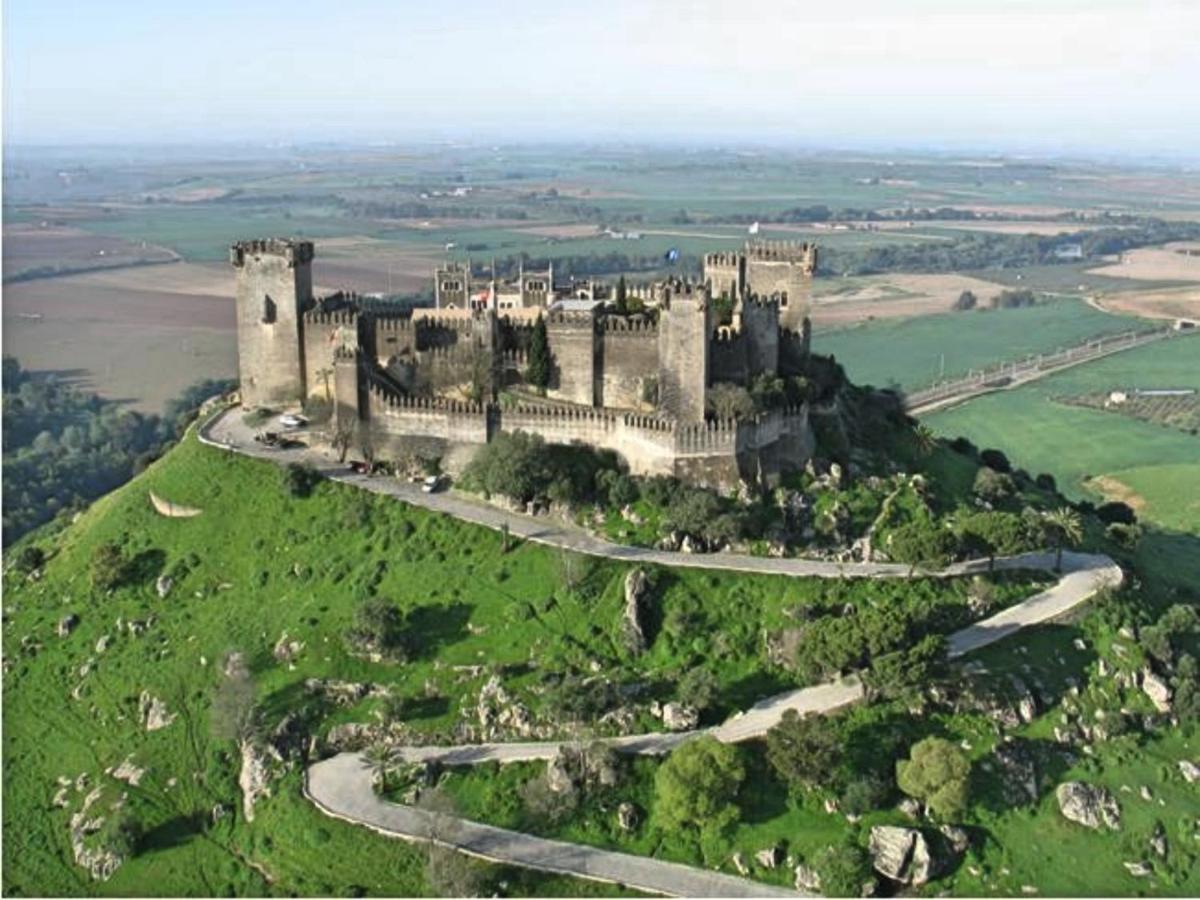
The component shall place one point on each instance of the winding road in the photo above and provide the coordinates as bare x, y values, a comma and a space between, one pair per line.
341, 786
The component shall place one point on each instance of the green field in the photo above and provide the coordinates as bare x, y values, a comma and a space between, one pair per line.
1073, 443
910, 352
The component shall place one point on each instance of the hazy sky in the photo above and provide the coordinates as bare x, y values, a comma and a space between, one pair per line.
1098, 75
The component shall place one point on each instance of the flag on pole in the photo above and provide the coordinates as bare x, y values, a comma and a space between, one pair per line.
672, 255
754, 228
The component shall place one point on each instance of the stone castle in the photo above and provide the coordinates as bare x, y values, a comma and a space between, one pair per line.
444, 380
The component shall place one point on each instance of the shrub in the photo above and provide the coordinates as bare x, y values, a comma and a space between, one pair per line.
844, 869
300, 479
995, 459
378, 628
1126, 536
698, 688
108, 567
1115, 512
865, 794
1046, 482
937, 773
922, 544
963, 447
992, 485
30, 558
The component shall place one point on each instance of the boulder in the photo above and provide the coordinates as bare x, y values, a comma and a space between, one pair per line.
910, 808
636, 587
1138, 869
1088, 805
1157, 690
153, 712
102, 643
163, 585
901, 855
1189, 770
285, 650
739, 863
677, 717
1158, 841
66, 625
957, 837
1019, 771
628, 816
128, 772
807, 880
560, 773
768, 858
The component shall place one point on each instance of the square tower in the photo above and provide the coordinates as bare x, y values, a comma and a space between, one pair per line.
684, 327
274, 288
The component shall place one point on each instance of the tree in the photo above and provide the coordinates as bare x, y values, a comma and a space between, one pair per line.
903, 674
698, 688
235, 714
378, 628
993, 486
1062, 527
512, 465
923, 544
621, 299
30, 558
730, 401
108, 567
966, 300
381, 760
937, 773
924, 439
120, 833
343, 436
300, 479
537, 372
805, 751
697, 785
843, 868
995, 459
989, 534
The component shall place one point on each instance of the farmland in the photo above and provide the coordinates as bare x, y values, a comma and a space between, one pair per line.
1158, 463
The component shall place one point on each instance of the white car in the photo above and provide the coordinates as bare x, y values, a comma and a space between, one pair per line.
291, 420
432, 484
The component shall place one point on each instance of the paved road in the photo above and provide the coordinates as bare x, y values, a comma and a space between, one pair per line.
341, 786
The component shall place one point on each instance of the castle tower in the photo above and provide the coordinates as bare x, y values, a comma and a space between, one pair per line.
274, 288
685, 323
785, 268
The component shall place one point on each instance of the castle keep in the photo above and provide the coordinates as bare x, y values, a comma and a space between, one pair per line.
444, 380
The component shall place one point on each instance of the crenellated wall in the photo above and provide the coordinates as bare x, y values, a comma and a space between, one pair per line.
628, 360
572, 339
324, 335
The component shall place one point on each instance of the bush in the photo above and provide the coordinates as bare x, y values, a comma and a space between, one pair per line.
963, 447
1046, 482
865, 794
1126, 536
992, 485
995, 459
29, 558
937, 773
1115, 512
843, 868
922, 544
379, 628
300, 479
108, 567
698, 688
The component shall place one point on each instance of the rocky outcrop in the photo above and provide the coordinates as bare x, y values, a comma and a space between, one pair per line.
807, 880
1189, 770
153, 712
128, 772
100, 862
1088, 805
636, 587
1157, 690
628, 816
677, 717
286, 650
768, 858
254, 778
163, 585
902, 855
343, 693
66, 625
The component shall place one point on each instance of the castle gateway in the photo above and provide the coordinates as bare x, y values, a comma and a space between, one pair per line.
667, 387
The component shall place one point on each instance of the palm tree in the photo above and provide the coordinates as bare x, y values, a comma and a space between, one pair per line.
1062, 526
925, 439
381, 759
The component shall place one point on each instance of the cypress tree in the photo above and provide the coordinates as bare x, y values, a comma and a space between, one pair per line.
537, 373
622, 303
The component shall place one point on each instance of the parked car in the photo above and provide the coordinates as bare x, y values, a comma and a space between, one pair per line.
291, 420
359, 467
433, 483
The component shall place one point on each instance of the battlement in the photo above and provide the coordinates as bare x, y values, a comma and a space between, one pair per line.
762, 301
397, 323
294, 251
401, 403
722, 258
338, 317
560, 319
780, 251
345, 355
623, 326
727, 336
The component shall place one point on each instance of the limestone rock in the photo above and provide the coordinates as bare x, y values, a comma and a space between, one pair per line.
739, 863
910, 808
560, 778
636, 586
1088, 805
102, 643
1189, 770
677, 717
768, 858
153, 712
1158, 841
1138, 869
128, 772
66, 625
1157, 690
958, 837
807, 880
628, 816
254, 778
901, 855
285, 651
163, 585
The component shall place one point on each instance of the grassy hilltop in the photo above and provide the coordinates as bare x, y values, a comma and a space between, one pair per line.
260, 561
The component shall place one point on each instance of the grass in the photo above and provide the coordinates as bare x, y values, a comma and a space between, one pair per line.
1044, 435
261, 562
910, 352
